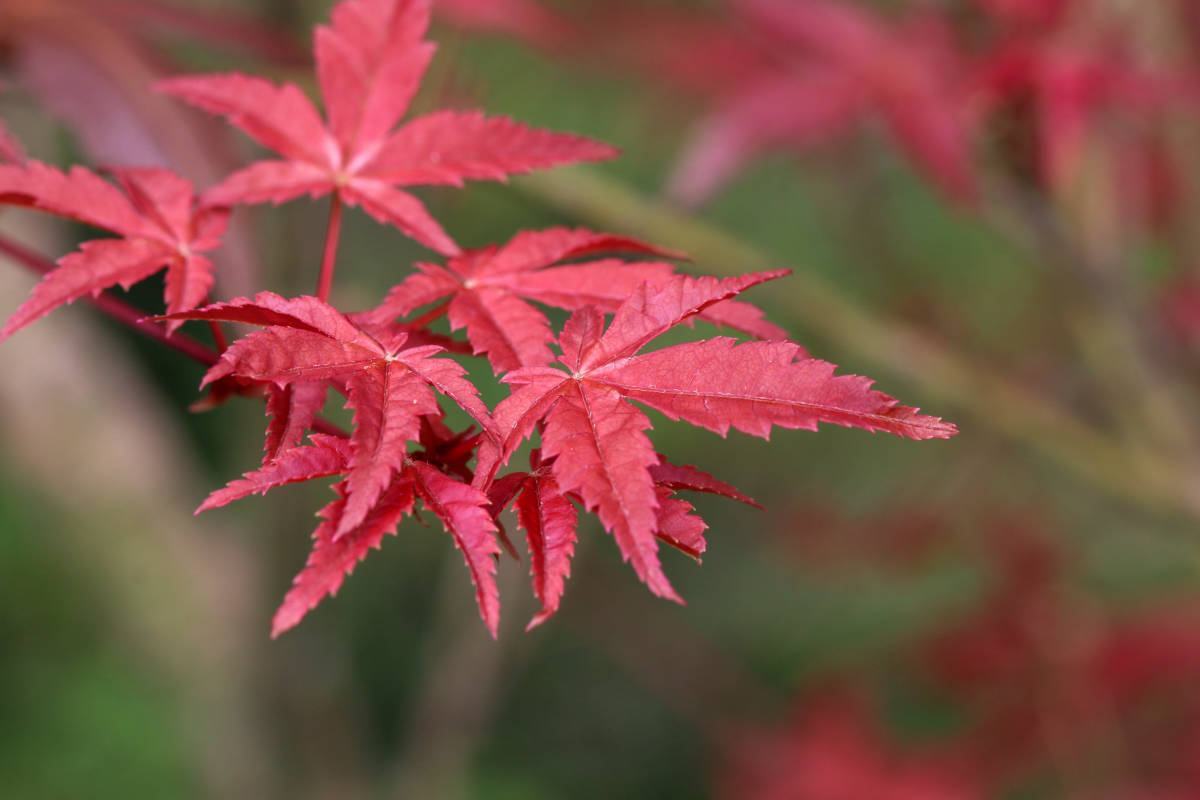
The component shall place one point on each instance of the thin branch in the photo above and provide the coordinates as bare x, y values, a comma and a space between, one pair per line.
117, 309
222, 344
137, 320
322, 425
1143, 381
333, 236
431, 316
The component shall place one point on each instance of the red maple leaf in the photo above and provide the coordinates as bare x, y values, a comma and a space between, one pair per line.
155, 214
293, 407
598, 441
788, 75
338, 547
292, 410
370, 63
550, 522
904, 74
547, 515
488, 289
684, 478
325, 457
461, 508
387, 381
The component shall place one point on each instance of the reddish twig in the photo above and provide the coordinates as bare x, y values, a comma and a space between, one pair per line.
333, 236
431, 316
222, 344
117, 309
137, 320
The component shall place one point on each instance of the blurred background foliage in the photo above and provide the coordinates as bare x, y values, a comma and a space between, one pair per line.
125, 672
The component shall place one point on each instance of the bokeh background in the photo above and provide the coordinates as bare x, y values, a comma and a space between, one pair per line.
999, 230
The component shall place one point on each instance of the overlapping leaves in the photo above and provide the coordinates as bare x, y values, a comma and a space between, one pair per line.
390, 368
489, 290
594, 451
156, 216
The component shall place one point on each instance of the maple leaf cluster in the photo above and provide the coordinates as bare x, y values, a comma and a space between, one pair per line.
575, 389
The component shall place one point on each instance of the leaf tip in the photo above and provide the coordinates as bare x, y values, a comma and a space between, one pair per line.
539, 619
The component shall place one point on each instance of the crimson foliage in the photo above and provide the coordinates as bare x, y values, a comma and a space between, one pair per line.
391, 368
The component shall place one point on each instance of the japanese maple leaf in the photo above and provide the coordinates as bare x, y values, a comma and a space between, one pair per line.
337, 548
155, 215
598, 440
905, 74
293, 407
678, 526
370, 63
548, 516
489, 289
789, 75
387, 381
792, 111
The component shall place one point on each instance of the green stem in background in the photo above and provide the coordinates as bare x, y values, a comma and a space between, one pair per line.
943, 375
1133, 366
333, 236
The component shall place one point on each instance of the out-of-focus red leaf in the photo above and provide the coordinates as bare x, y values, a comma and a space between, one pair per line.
834, 751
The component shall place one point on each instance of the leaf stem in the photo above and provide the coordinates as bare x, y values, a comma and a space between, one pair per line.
333, 235
431, 316
222, 344
117, 309
135, 318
